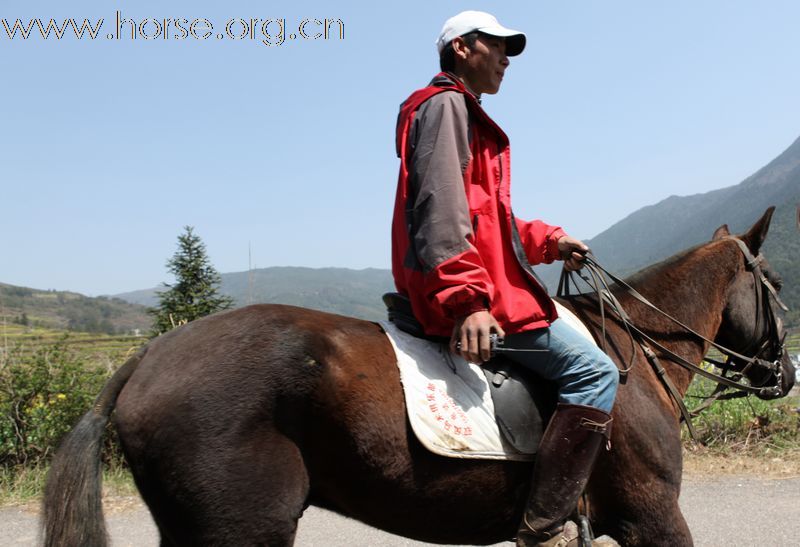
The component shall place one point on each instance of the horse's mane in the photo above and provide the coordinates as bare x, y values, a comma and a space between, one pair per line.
646, 274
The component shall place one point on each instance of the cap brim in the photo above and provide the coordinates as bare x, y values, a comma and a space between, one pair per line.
515, 40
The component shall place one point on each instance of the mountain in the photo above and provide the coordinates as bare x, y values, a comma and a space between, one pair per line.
72, 311
337, 290
658, 231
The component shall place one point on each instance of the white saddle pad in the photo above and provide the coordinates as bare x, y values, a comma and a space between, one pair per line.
448, 400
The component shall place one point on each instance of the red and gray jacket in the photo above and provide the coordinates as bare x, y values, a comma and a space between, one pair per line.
456, 246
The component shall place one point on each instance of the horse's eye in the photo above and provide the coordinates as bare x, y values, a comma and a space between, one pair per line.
777, 282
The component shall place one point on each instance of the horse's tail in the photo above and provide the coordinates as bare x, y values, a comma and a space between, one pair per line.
72, 507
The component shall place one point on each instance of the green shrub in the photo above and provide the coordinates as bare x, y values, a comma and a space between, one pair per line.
42, 394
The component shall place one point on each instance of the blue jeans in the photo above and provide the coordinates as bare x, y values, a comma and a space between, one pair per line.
584, 374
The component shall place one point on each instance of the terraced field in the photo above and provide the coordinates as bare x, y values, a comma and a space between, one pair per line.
102, 347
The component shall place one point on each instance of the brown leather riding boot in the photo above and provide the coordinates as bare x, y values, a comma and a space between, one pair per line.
567, 453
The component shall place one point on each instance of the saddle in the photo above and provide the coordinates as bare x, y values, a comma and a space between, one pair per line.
523, 402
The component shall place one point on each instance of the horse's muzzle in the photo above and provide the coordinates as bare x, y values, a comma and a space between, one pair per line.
785, 376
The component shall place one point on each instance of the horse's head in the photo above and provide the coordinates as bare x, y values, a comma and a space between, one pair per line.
751, 324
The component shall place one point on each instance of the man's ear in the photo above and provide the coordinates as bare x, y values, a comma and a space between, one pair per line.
460, 47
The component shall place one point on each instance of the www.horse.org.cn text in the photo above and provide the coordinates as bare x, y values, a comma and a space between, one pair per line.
269, 32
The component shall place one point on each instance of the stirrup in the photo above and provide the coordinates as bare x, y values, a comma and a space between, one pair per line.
585, 532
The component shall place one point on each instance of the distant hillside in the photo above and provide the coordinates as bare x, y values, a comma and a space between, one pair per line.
70, 311
339, 290
657, 231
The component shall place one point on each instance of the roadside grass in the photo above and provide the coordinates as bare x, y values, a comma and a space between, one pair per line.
747, 425
22, 484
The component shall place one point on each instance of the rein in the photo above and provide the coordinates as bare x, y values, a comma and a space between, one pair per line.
605, 297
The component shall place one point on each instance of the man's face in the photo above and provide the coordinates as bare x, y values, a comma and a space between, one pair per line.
481, 66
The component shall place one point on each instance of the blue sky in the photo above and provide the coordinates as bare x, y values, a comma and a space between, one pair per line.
109, 147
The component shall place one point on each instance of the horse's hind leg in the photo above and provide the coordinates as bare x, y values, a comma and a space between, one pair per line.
248, 492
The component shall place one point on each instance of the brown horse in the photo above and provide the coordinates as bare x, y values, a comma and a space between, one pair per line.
234, 423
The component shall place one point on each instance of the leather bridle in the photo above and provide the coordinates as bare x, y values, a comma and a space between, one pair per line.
736, 364
774, 337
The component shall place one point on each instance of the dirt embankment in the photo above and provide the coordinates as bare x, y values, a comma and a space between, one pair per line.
700, 462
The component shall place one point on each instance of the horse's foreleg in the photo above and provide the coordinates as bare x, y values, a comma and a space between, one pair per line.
636, 503
647, 518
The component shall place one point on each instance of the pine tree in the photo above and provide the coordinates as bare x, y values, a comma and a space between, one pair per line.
196, 291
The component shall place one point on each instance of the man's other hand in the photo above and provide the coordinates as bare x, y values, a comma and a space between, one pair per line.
573, 252
473, 331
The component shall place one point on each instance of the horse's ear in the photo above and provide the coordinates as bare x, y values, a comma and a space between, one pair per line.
756, 235
721, 232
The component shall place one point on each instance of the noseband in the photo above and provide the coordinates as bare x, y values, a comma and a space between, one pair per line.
774, 338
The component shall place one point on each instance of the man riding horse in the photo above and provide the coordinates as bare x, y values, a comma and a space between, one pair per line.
464, 261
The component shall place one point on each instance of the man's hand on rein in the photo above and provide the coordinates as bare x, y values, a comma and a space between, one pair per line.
573, 252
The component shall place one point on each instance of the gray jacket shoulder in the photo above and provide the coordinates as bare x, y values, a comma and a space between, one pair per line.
448, 107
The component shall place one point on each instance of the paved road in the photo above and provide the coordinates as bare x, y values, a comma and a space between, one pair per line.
728, 510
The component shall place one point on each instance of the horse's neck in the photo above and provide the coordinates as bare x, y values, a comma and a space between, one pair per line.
691, 288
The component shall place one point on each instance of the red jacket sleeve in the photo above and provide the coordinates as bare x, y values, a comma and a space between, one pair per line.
459, 286
540, 241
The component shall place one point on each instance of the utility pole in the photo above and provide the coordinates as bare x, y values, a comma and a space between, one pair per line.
249, 275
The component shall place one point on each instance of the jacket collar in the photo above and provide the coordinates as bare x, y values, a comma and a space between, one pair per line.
448, 79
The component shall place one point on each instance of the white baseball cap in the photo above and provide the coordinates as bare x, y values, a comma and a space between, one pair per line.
469, 21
